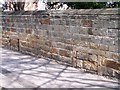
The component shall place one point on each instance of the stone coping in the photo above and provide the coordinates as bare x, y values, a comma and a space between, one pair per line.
71, 12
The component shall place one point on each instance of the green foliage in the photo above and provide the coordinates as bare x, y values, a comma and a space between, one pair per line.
91, 5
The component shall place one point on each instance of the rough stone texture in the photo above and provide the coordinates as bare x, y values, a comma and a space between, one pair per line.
25, 71
83, 38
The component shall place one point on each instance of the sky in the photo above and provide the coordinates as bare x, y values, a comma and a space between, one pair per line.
2, 1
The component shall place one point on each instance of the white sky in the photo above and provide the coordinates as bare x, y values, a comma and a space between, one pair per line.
2, 1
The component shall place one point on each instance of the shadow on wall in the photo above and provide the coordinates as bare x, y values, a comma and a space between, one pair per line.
41, 73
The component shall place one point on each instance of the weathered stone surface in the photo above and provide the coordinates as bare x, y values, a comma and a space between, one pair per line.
25, 50
81, 49
64, 53
112, 55
54, 50
31, 37
48, 43
103, 47
90, 32
83, 44
14, 42
91, 36
45, 48
117, 74
101, 53
69, 47
29, 31
94, 46
91, 65
108, 41
6, 41
33, 44
81, 56
98, 23
68, 41
106, 71
12, 29
93, 58
111, 64
24, 43
87, 23
66, 60
55, 57
114, 48
100, 59
6, 34
116, 56
45, 21
81, 30
113, 32
100, 31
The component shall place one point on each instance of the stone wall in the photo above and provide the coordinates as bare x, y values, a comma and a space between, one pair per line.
86, 39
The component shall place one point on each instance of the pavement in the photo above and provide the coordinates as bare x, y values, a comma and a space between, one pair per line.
25, 71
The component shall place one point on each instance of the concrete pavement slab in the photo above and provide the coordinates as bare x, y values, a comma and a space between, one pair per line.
25, 71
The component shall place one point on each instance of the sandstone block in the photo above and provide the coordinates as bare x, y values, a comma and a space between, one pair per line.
24, 44
87, 23
14, 42
33, 44
113, 33
65, 60
25, 50
90, 65
81, 55
116, 56
105, 71
55, 57
90, 32
44, 48
117, 74
93, 58
93, 46
111, 64
111, 24
100, 59
101, 53
48, 43
83, 44
103, 47
45, 21
98, 23
69, 47
114, 49
64, 53
29, 31
54, 50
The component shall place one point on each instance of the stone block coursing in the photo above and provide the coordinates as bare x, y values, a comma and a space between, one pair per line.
82, 38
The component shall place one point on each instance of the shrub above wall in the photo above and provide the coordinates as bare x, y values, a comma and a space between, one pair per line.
92, 5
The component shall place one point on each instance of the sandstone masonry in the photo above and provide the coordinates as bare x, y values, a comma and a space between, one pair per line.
88, 39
